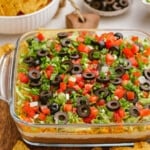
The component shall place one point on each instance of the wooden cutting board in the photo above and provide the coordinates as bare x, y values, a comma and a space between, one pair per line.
9, 133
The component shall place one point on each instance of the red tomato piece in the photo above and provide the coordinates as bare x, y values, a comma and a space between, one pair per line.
93, 98
144, 112
109, 59
45, 110
119, 92
68, 107
134, 48
133, 61
40, 37
63, 86
125, 77
23, 78
101, 102
127, 52
130, 95
42, 116
83, 48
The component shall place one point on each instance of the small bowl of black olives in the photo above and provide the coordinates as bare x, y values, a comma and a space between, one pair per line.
108, 7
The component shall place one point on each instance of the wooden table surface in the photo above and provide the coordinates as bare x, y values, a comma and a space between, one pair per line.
9, 133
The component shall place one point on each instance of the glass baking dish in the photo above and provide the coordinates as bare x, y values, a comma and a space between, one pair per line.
67, 134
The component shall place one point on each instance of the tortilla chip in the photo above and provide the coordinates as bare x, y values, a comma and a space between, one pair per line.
6, 48
20, 7
20, 146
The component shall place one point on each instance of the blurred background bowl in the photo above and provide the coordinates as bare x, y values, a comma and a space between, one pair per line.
28, 22
146, 3
106, 13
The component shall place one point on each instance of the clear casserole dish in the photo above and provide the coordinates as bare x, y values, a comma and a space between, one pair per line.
62, 111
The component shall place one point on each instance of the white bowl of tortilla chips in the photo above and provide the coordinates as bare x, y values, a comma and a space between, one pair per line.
21, 16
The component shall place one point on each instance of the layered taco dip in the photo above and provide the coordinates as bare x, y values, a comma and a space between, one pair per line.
83, 77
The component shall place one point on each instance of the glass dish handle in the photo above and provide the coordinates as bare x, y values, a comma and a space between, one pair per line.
5, 76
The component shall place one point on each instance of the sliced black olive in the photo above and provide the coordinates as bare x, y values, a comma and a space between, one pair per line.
145, 86
37, 62
62, 35
113, 105
34, 75
134, 111
147, 74
101, 92
54, 107
29, 60
35, 84
119, 71
74, 56
76, 69
68, 65
118, 35
83, 111
61, 117
82, 101
124, 3
88, 76
65, 42
132, 100
44, 96
115, 50
126, 64
96, 4
56, 81
101, 44
116, 6
116, 81
94, 55
42, 53
110, 2
102, 79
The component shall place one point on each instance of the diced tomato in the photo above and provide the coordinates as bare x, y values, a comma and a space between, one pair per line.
23, 78
83, 48
35, 97
63, 86
68, 107
119, 92
137, 74
48, 73
117, 117
93, 115
71, 84
134, 38
134, 48
147, 51
128, 52
109, 43
93, 98
133, 61
81, 84
125, 76
130, 95
45, 110
121, 112
40, 37
101, 102
109, 59
58, 47
87, 88
42, 116
144, 112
